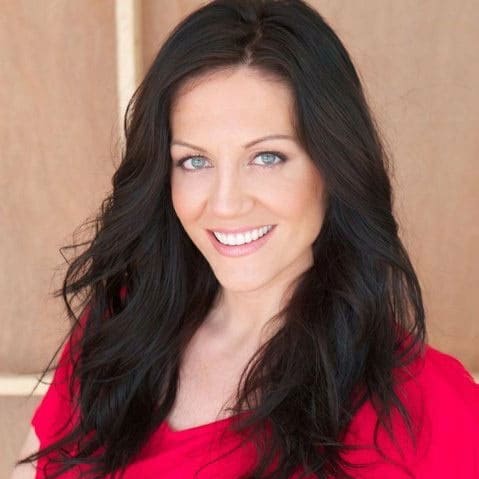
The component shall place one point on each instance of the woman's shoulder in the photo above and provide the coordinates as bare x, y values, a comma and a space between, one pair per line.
436, 387
437, 381
442, 401
446, 382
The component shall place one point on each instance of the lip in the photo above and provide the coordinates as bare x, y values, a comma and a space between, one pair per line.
238, 230
240, 250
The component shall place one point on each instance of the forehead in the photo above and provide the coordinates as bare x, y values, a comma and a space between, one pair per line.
233, 99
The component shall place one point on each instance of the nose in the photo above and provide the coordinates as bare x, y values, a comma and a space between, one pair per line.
229, 196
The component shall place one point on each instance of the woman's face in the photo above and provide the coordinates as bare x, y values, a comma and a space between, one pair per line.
227, 184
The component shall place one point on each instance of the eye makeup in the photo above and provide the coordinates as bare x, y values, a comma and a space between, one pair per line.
179, 163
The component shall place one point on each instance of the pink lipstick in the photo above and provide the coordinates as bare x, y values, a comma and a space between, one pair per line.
240, 250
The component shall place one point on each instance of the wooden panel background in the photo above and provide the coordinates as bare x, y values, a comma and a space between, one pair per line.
57, 129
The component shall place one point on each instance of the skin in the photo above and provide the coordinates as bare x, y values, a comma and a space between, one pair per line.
230, 186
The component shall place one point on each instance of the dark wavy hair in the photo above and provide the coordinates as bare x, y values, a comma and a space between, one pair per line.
353, 318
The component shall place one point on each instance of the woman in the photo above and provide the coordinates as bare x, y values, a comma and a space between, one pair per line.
251, 310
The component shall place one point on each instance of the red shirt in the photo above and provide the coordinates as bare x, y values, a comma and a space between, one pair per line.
443, 393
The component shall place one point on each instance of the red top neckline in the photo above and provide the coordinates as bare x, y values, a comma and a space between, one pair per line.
200, 427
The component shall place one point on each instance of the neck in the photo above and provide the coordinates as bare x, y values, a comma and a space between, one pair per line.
243, 316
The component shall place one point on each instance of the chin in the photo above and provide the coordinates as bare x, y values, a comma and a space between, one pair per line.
243, 282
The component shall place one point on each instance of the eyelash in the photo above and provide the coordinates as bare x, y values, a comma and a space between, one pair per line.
283, 158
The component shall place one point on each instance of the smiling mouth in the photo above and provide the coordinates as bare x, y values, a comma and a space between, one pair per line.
246, 239
239, 230
240, 250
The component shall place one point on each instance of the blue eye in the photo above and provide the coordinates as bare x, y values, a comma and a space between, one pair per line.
197, 160
272, 155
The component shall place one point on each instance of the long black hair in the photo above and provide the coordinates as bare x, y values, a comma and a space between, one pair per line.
354, 317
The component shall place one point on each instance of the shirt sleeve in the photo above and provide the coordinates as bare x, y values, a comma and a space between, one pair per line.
452, 397
55, 414
450, 407
443, 401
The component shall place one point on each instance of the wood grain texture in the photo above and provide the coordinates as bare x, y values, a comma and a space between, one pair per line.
57, 131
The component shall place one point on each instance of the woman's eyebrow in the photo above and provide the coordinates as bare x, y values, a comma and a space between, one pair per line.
246, 145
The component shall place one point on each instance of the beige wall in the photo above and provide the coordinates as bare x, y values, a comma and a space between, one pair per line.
57, 129
58, 104
58, 133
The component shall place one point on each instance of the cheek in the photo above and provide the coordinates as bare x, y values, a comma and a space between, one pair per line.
302, 196
186, 197
305, 207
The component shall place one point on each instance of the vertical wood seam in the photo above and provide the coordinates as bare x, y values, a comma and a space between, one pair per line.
128, 54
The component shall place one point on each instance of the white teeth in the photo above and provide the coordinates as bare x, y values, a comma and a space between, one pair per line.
242, 238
